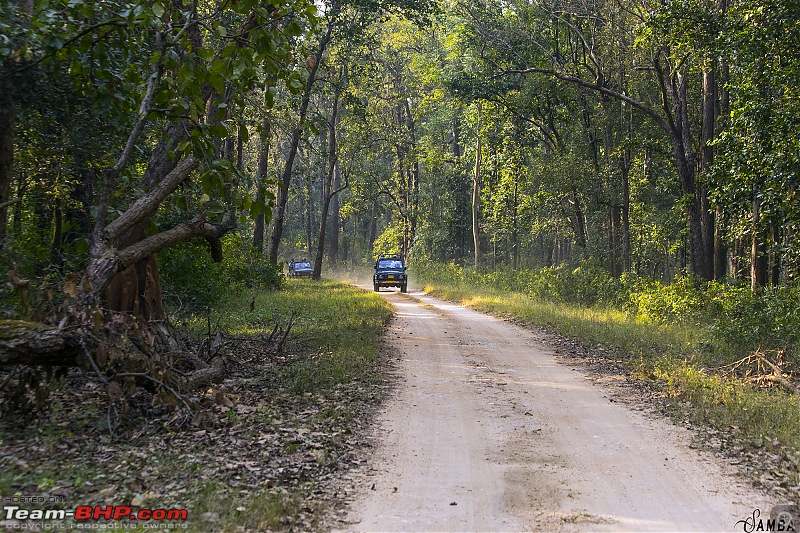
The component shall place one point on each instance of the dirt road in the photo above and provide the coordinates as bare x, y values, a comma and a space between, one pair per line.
487, 431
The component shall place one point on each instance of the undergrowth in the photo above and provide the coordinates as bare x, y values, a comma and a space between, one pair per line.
286, 422
691, 336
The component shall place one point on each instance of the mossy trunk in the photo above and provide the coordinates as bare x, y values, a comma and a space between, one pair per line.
33, 343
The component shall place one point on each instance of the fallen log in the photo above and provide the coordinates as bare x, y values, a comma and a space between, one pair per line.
34, 343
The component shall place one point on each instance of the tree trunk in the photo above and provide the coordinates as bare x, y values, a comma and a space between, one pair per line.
333, 249
720, 251
578, 220
55, 242
758, 258
7, 135
708, 133
33, 343
310, 213
297, 132
476, 194
677, 89
515, 227
625, 166
261, 177
414, 170
328, 191
615, 221
775, 256
373, 228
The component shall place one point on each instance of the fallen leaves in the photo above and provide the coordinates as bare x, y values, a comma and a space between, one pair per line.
254, 436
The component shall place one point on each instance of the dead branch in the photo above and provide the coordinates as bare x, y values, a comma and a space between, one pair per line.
289, 324
178, 396
777, 375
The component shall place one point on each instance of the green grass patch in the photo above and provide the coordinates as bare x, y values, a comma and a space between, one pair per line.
334, 334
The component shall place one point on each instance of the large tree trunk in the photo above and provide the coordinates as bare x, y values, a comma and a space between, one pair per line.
676, 86
708, 133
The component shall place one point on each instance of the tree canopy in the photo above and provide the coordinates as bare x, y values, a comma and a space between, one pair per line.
645, 138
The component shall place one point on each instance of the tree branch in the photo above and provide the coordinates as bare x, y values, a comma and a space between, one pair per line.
196, 227
149, 203
10, 203
650, 112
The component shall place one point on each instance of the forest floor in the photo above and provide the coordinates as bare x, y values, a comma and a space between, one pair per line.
265, 455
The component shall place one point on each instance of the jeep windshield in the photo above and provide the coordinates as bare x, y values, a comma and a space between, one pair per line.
390, 264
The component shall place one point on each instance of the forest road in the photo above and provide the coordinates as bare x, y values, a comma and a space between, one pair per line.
487, 431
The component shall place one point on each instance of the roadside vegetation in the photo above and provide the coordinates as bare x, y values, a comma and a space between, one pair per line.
272, 437
725, 358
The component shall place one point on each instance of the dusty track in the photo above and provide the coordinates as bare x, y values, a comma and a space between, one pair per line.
488, 432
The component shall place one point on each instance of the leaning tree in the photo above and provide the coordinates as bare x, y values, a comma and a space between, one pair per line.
172, 76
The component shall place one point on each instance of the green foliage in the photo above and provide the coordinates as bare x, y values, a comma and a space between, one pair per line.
682, 300
390, 242
192, 281
735, 320
766, 319
586, 285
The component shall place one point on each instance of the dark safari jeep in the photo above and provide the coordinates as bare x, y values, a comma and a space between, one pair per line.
300, 269
390, 272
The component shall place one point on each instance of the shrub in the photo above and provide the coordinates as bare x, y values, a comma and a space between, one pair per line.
738, 320
768, 319
192, 281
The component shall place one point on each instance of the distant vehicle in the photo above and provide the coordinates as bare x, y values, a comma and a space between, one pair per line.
390, 271
300, 269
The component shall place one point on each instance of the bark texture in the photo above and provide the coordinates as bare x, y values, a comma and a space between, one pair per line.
33, 343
